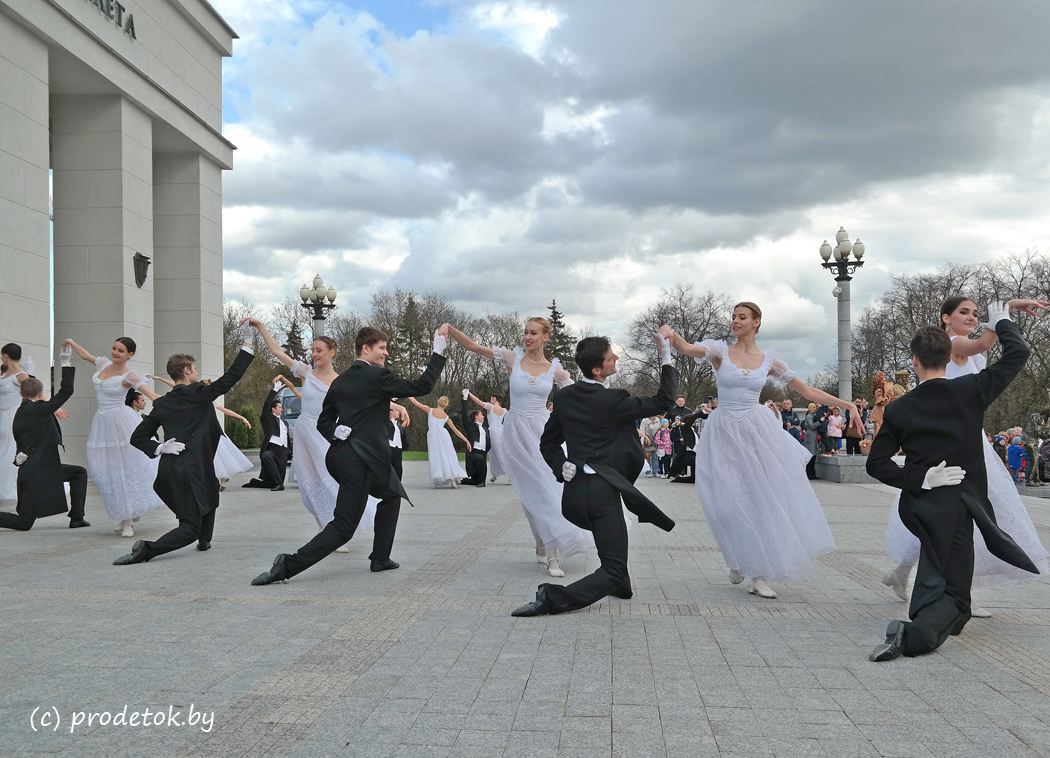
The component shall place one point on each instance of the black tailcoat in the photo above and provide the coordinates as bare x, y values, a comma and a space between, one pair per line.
186, 482
942, 420
38, 435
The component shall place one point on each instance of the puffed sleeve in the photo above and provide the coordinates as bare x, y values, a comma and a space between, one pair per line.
503, 357
487, 407
561, 377
300, 369
779, 373
134, 380
101, 362
716, 351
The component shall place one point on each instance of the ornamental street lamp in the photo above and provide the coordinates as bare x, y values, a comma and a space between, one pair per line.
843, 268
314, 300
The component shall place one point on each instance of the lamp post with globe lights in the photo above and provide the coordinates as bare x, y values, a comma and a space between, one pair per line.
843, 268
318, 301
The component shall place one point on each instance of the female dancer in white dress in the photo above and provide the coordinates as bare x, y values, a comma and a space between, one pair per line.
496, 416
750, 473
316, 486
441, 453
532, 377
123, 474
959, 319
11, 377
228, 459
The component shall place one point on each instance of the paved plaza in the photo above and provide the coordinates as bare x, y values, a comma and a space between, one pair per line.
427, 661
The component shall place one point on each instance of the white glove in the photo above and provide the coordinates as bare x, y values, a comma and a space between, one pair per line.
65, 356
21, 458
277, 386
466, 394
997, 311
943, 475
342, 432
29, 367
246, 332
665, 350
568, 471
170, 447
440, 343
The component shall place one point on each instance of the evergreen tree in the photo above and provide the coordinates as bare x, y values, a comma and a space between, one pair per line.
562, 342
295, 346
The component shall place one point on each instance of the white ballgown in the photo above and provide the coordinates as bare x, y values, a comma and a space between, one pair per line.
10, 399
903, 547
750, 476
123, 474
316, 486
229, 460
496, 467
441, 453
529, 474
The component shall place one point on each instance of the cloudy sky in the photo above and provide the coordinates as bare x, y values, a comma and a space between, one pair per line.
504, 153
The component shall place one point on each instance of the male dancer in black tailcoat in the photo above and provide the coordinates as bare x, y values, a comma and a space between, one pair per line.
273, 446
40, 470
480, 443
604, 460
356, 418
944, 483
186, 480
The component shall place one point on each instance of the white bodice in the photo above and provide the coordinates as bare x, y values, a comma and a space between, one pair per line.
111, 393
739, 389
974, 364
434, 423
313, 390
494, 420
528, 394
9, 393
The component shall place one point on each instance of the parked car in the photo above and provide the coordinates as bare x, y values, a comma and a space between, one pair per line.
291, 408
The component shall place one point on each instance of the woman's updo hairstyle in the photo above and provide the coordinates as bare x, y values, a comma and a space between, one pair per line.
128, 343
949, 306
131, 397
544, 324
328, 342
442, 402
755, 311
12, 351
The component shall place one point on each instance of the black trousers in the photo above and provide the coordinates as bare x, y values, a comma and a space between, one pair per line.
683, 464
395, 461
936, 614
23, 520
591, 503
194, 528
477, 467
852, 445
811, 468
274, 465
356, 483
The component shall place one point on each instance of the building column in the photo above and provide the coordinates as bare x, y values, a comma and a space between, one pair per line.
102, 162
25, 233
187, 243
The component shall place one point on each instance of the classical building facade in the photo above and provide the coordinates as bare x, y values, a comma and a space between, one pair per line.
122, 101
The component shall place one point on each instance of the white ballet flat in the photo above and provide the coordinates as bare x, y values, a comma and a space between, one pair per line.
735, 577
541, 555
127, 531
764, 592
342, 549
553, 569
455, 484
891, 580
978, 612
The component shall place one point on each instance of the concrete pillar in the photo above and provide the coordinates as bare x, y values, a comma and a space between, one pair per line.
102, 159
187, 245
25, 234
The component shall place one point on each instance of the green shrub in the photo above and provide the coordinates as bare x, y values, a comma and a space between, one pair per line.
241, 436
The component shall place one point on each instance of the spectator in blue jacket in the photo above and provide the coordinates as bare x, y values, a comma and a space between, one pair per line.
1016, 456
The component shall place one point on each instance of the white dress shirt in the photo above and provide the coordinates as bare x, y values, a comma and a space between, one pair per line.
482, 439
395, 441
282, 438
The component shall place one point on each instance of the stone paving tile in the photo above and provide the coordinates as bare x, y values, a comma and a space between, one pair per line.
426, 661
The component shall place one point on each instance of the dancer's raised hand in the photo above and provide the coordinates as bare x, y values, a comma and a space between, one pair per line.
246, 331
1026, 305
62, 413
664, 344
441, 340
666, 331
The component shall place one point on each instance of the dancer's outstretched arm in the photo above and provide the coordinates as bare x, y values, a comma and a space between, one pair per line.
161, 379
820, 396
424, 408
970, 347
478, 400
287, 383
459, 434
79, 350
271, 343
680, 345
230, 413
470, 344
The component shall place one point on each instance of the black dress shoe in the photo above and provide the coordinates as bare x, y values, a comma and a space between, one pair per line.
466, 481
253, 483
77, 523
137, 555
480, 485
203, 546
386, 565
894, 645
541, 606
278, 488
277, 573
625, 592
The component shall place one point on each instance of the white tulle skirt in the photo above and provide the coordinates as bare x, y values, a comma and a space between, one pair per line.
903, 547
8, 470
316, 486
123, 474
496, 467
441, 454
760, 507
229, 460
539, 491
